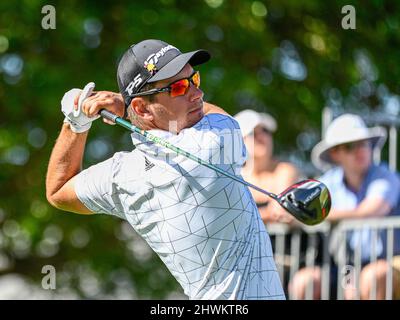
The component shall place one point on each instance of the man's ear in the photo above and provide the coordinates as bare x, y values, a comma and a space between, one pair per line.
141, 107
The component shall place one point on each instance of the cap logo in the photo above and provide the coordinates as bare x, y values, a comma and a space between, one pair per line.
134, 84
151, 68
151, 62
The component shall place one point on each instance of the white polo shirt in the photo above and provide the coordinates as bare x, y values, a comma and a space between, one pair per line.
204, 226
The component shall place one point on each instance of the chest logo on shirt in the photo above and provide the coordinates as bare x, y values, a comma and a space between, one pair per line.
147, 164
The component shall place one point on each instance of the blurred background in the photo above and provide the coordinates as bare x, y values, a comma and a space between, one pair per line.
289, 58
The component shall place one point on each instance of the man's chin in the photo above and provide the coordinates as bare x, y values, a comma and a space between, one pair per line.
200, 108
194, 117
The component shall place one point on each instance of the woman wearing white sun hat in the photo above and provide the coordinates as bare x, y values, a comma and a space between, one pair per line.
261, 167
359, 189
347, 128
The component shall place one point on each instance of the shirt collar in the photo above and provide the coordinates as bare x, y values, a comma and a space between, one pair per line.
364, 183
149, 147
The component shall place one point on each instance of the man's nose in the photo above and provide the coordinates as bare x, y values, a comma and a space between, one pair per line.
195, 93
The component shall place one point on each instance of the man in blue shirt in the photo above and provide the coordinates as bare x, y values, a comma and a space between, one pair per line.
359, 189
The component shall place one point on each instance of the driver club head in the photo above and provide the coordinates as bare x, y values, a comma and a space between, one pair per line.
309, 201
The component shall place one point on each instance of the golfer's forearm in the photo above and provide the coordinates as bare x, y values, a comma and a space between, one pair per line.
65, 161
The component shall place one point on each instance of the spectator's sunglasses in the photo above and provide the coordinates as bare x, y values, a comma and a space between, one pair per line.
177, 88
355, 145
262, 129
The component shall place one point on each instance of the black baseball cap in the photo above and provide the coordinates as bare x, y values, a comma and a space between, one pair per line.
150, 61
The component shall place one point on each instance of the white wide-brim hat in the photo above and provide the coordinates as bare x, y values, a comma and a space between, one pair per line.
249, 119
344, 129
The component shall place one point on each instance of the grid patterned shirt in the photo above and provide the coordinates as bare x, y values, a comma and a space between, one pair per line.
204, 226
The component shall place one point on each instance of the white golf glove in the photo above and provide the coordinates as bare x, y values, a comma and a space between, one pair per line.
78, 121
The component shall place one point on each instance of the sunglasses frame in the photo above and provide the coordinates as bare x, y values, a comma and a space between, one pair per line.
350, 146
264, 130
168, 88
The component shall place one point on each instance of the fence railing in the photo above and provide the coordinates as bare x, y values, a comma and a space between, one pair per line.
326, 245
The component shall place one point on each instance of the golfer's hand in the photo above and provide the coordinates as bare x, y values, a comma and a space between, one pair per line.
108, 100
78, 121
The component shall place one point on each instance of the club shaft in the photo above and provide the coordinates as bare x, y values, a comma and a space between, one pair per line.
127, 125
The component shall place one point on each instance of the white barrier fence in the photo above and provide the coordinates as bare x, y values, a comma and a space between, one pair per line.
324, 244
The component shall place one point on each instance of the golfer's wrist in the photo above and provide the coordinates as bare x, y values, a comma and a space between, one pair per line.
75, 127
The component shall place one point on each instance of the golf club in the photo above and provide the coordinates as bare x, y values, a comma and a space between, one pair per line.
308, 201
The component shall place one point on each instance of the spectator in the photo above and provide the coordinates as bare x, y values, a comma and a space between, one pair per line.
262, 168
359, 189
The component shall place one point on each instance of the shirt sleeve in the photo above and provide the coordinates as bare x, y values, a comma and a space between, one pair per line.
227, 129
96, 189
386, 185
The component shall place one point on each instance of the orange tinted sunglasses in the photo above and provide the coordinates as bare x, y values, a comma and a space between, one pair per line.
177, 88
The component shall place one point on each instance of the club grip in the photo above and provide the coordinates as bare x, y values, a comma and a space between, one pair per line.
108, 115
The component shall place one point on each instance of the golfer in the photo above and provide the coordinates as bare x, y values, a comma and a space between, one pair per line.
205, 227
